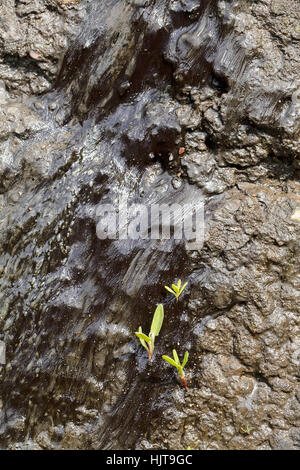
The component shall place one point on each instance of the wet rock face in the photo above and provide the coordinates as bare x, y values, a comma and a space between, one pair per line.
139, 81
33, 37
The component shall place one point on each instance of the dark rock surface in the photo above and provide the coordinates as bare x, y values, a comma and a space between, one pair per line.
96, 99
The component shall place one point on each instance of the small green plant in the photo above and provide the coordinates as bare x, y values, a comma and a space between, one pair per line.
176, 289
148, 341
176, 363
247, 429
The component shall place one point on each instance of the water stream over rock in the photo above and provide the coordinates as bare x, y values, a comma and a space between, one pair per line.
96, 101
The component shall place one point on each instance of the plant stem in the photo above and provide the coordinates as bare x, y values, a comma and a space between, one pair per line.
150, 352
184, 381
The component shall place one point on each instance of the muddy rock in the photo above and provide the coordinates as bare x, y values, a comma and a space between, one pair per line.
34, 36
154, 102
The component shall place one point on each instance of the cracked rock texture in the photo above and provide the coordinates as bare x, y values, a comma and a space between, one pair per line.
155, 101
34, 35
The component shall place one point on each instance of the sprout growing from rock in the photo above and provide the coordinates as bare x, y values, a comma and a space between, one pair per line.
176, 363
176, 289
247, 429
148, 341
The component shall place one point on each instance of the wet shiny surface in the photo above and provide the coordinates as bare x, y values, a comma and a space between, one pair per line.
141, 80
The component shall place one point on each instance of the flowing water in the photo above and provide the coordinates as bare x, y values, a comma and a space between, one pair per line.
76, 376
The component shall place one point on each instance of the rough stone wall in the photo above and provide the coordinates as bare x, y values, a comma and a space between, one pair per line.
221, 79
34, 37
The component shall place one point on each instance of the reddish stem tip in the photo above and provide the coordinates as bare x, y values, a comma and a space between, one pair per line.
184, 381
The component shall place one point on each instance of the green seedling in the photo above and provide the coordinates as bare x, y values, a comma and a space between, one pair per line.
148, 341
176, 363
247, 429
176, 289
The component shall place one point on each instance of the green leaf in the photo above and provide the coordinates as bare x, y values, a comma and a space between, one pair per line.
169, 289
175, 288
170, 361
185, 359
183, 287
143, 337
179, 284
176, 358
141, 340
157, 321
